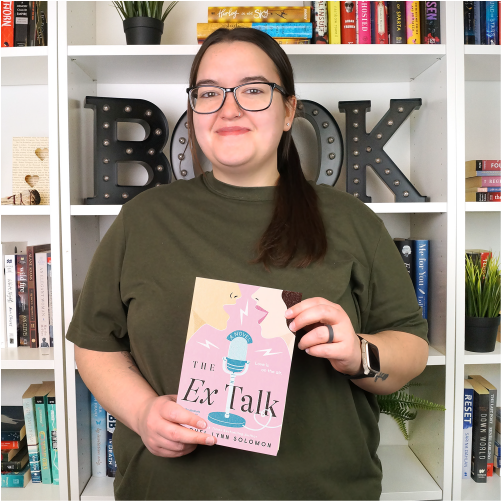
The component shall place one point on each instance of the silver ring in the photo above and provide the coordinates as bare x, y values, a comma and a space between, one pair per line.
331, 333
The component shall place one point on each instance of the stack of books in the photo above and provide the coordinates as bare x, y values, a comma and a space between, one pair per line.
102, 428
483, 180
24, 24
287, 25
481, 23
27, 295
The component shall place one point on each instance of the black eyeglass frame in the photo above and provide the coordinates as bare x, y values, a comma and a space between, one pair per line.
234, 89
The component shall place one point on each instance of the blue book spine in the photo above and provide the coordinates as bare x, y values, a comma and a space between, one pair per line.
467, 430
421, 256
111, 466
43, 439
52, 420
16, 478
36, 472
497, 449
469, 24
479, 22
99, 438
286, 30
491, 23
373, 23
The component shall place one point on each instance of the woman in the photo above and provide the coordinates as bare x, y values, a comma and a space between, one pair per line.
253, 220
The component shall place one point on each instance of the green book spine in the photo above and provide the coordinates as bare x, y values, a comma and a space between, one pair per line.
43, 442
51, 415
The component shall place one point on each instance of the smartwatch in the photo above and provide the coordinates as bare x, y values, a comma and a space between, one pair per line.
370, 362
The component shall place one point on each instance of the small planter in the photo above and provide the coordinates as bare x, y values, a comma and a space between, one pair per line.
480, 333
143, 30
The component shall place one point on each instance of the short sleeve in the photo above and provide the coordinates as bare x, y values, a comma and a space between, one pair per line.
392, 303
99, 321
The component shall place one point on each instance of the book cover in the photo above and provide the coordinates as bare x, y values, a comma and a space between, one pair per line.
397, 23
22, 299
21, 23
492, 417
490, 166
42, 428
480, 432
18, 462
7, 13
469, 24
363, 22
413, 23
421, 267
98, 438
483, 197
283, 30
334, 20
258, 14
380, 22
52, 420
348, 22
42, 299
467, 428
13, 425
111, 464
16, 478
483, 182
479, 15
237, 362
430, 22
31, 431
11, 317
35, 468
404, 246
49, 296
41, 24
13, 444
320, 23
491, 23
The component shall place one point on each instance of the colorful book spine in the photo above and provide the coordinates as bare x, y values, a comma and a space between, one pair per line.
363, 22
275, 30
22, 299
413, 23
31, 432
483, 197
49, 295
18, 462
11, 300
430, 22
479, 23
467, 428
380, 22
469, 22
7, 14
484, 182
484, 190
41, 24
16, 478
334, 20
32, 23
32, 298
348, 22
480, 432
320, 26
491, 23
13, 444
258, 14
111, 465
404, 246
397, 25
42, 299
52, 419
292, 41
421, 260
43, 440
98, 437
21, 23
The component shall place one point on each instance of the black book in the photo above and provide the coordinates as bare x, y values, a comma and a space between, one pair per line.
404, 246
469, 24
13, 426
480, 432
397, 26
17, 462
21, 23
41, 24
430, 22
32, 23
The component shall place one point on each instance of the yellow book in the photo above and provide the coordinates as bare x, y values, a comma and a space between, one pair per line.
292, 41
205, 29
334, 20
259, 14
413, 24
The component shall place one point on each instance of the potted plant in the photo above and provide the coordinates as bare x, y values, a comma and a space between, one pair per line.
483, 303
143, 21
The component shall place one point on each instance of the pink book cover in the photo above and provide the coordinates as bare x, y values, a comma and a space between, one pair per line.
412, 19
237, 362
364, 22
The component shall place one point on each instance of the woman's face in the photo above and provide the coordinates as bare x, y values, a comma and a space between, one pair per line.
270, 303
241, 147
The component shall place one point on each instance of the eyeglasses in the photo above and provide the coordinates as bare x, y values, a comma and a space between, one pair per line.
254, 96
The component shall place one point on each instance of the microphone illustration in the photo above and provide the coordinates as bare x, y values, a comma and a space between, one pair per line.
234, 364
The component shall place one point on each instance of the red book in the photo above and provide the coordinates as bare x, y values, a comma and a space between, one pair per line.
349, 22
7, 24
13, 444
479, 254
381, 22
363, 22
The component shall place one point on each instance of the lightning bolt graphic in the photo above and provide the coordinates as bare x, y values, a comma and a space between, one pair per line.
242, 312
207, 343
267, 354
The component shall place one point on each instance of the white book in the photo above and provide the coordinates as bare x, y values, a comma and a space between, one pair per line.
30, 415
42, 299
11, 300
49, 289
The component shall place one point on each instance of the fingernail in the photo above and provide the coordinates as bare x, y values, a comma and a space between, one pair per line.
307, 351
288, 313
209, 440
201, 424
292, 326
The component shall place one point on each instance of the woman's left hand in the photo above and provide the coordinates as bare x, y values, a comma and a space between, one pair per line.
344, 353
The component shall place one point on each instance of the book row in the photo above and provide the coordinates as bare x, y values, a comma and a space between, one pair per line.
29, 438
27, 296
24, 24
102, 428
481, 430
483, 181
481, 23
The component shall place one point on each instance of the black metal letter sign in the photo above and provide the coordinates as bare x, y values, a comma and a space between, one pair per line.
366, 149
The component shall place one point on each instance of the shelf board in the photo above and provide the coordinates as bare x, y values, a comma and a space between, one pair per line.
27, 358
95, 210
25, 210
491, 490
482, 207
24, 65
435, 357
408, 208
492, 357
35, 492
482, 62
170, 64
405, 478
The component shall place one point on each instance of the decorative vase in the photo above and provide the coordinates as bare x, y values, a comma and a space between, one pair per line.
480, 333
143, 30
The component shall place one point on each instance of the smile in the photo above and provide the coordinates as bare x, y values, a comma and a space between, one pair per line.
232, 131
261, 309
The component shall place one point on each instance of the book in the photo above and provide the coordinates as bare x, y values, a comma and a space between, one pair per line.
334, 21
98, 438
18, 462
42, 299
491, 23
469, 24
467, 428
32, 23
493, 167
379, 16
348, 11
111, 464
292, 41
22, 299
320, 26
49, 296
11, 316
31, 431
404, 246
42, 428
430, 22
363, 22
483, 197
13, 444
478, 254
41, 28
492, 416
16, 478
484, 190
7, 13
52, 420
8, 454
412, 22
13, 425
21, 23
483, 182
479, 22
421, 251
258, 14
480, 431
282, 30
397, 23
235, 371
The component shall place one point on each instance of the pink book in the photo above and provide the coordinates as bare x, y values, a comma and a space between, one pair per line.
237, 362
363, 22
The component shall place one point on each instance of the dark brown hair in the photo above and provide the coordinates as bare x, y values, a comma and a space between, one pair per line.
296, 233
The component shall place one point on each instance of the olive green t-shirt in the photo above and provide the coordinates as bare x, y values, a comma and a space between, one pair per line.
137, 297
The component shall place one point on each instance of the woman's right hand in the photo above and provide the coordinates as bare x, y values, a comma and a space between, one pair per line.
159, 426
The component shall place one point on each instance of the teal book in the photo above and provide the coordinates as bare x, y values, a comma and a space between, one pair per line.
51, 416
43, 441
31, 431
16, 478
